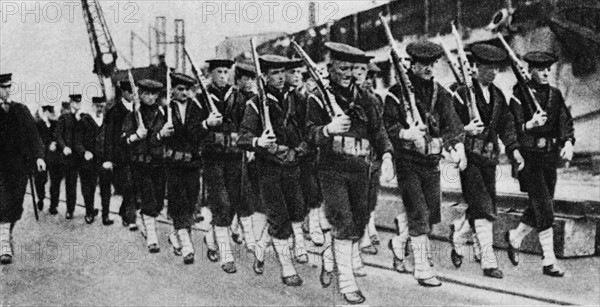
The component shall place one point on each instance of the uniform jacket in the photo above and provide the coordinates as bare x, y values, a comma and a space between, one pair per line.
443, 122
496, 117
66, 129
366, 124
47, 133
559, 124
148, 150
113, 149
88, 136
287, 125
20, 142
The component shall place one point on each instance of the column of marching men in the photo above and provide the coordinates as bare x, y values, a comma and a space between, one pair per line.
314, 167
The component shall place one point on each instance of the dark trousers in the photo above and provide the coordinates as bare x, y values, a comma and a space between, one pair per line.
539, 178
345, 202
282, 197
419, 186
252, 175
69, 173
311, 187
150, 181
183, 186
121, 178
91, 175
225, 195
374, 184
41, 178
478, 184
12, 192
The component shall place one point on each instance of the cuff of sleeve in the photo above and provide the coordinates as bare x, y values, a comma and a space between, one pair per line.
204, 125
325, 131
255, 142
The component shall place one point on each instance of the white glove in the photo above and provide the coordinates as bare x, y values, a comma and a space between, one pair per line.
141, 132
338, 125
475, 127
67, 151
459, 156
567, 152
88, 156
214, 119
52, 147
519, 159
387, 168
41, 165
266, 141
107, 165
413, 133
539, 119
167, 130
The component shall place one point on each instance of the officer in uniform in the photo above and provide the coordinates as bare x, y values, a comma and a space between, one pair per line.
140, 134
418, 146
545, 137
115, 156
183, 129
491, 121
20, 148
278, 154
89, 137
66, 131
345, 144
46, 124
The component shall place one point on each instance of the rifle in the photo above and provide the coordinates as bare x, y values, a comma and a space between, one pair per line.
136, 99
465, 69
263, 108
331, 105
169, 110
211, 105
522, 76
453, 65
413, 118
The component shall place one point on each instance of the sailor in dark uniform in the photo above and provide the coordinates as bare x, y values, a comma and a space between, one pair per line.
545, 137
89, 139
418, 146
66, 129
345, 144
491, 121
140, 134
46, 124
21, 151
278, 154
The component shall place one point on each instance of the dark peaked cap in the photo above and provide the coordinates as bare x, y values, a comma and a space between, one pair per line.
5, 79
150, 85
295, 63
98, 99
488, 54
347, 53
216, 63
424, 51
179, 78
540, 59
76, 97
273, 61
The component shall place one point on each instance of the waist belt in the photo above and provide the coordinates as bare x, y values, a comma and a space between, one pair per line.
176, 155
142, 158
426, 147
545, 144
481, 147
351, 146
228, 141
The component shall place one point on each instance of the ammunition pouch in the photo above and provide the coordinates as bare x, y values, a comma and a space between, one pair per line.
177, 155
351, 146
226, 142
426, 146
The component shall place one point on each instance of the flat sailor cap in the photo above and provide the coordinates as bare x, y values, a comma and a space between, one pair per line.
216, 63
273, 61
150, 85
75, 97
295, 63
179, 78
245, 69
347, 53
5, 80
97, 100
488, 54
540, 59
424, 51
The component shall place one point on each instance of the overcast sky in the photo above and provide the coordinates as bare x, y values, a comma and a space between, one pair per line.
46, 46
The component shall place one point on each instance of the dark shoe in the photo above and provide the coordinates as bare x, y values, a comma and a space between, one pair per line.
133, 227
429, 282
69, 215
493, 273
198, 217
106, 221
369, 250
477, 258
153, 248
354, 298
513, 255
236, 238
292, 281
553, 270
398, 264
176, 249
212, 254
326, 278
188, 259
89, 218
53, 211
375, 240
40, 204
5, 259
457, 259
229, 267
259, 267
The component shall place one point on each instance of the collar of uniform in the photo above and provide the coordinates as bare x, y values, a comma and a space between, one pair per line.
127, 104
